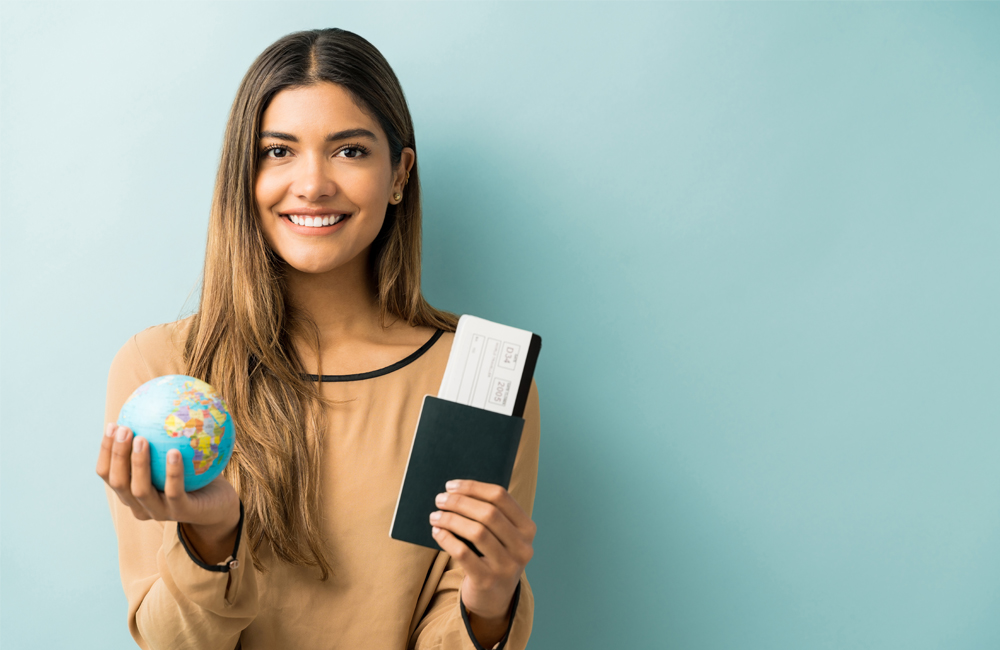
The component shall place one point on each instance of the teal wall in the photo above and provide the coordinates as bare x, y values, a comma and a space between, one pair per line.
760, 241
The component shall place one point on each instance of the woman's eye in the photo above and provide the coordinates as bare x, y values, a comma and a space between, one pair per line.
276, 152
352, 152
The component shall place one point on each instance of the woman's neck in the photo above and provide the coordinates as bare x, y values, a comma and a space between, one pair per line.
343, 306
341, 303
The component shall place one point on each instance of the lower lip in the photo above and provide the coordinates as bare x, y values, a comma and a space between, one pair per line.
312, 230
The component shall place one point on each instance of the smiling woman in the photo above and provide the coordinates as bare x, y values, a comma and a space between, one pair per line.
323, 167
313, 267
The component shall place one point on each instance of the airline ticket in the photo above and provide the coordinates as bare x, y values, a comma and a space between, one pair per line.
486, 365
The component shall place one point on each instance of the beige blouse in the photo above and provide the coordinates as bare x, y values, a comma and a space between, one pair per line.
382, 593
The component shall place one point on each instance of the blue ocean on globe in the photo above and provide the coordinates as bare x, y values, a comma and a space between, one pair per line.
185, 413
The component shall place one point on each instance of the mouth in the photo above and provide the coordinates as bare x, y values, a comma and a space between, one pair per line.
315, 221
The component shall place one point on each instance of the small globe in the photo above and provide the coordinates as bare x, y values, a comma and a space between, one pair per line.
181, 412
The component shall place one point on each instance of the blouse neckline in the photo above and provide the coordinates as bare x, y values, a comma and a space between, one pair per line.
381, 371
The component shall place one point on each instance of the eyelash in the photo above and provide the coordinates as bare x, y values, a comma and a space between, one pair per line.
266, 150
358, 146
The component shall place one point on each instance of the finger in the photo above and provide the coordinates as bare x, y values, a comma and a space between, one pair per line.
104, 456
120, 472
173, 487
142, 484
472, 564
475, 532
499, 497
486, 514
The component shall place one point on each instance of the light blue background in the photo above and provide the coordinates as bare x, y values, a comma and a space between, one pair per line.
760, 241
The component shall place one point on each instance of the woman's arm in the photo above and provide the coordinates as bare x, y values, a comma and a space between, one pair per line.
178, 598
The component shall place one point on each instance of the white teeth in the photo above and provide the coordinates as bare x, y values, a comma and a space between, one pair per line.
317, 222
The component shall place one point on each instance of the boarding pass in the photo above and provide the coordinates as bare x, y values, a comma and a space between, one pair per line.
488, 364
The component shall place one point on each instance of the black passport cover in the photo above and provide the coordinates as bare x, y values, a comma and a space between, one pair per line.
452, 441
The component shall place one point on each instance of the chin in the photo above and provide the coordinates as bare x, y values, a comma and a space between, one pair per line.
320, 264
312, 267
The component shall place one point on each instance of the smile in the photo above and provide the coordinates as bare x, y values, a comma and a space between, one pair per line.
317, 221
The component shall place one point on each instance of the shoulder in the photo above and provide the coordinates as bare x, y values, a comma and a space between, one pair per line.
435, 356
424, 366
155, 351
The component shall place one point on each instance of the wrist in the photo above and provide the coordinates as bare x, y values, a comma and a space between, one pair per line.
498, 617
210, 533
488, 604
212, 543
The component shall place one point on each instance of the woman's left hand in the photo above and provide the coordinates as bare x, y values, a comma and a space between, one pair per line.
486, 515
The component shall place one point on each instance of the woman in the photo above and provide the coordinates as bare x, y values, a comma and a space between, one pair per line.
312, 326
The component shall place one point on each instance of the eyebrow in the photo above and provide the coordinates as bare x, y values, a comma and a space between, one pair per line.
333, 137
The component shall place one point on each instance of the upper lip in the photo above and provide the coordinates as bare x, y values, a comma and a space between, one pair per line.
313, 212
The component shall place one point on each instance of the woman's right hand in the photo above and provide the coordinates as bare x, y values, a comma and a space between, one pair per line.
208, 516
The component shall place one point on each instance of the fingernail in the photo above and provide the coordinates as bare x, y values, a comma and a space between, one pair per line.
174, 458
435, 516
122, 434
441, 499
137, 445
109, 430
435, 530
451, 486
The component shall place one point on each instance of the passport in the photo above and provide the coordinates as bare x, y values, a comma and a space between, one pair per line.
472, 429
452, 441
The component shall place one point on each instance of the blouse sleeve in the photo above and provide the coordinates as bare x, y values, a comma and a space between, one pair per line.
445, 625
174, 600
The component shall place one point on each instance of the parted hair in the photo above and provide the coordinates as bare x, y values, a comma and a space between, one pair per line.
240, 339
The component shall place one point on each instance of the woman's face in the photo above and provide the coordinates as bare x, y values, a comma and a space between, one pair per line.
323, 161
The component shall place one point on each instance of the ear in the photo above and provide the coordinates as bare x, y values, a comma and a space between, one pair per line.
401, 174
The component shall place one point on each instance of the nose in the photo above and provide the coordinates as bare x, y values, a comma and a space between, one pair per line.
313, 179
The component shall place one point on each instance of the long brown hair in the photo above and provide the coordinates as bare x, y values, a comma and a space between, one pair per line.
240, 338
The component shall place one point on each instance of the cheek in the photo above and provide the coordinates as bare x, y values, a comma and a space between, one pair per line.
370, 193
267, 193
365, 189
267, 190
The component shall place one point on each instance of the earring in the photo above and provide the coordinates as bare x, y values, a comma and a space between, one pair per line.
397, 197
